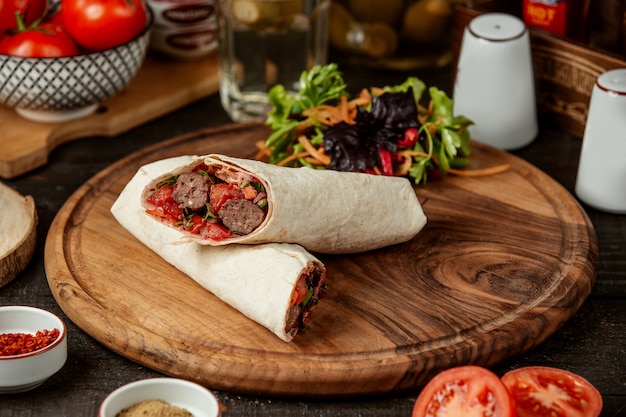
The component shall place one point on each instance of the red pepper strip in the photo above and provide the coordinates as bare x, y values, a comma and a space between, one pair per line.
410, 138
385, 161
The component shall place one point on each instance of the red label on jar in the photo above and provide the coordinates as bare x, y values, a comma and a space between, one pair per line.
548, 15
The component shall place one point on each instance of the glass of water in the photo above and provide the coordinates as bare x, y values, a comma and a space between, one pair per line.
263, 43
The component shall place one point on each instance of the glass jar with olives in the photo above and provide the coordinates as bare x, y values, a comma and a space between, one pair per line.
393, 34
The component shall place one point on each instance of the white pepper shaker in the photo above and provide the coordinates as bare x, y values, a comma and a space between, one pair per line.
601, 179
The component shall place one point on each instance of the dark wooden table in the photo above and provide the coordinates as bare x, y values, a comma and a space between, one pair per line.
592, 343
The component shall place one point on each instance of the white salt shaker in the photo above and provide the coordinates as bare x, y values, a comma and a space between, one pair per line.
601, 179
494, 84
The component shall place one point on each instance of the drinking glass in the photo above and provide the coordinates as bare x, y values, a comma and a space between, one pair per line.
267, 42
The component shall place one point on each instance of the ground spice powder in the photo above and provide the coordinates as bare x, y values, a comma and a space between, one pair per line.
154, 408
20, 343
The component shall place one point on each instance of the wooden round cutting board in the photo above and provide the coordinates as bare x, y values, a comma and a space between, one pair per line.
502, 263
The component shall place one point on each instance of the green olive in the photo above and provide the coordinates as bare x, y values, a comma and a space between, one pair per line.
340, 22
261, 14
379, 40
384, 11
427, 21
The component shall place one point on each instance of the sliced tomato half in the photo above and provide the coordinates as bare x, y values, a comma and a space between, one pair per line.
464, 391
541, 391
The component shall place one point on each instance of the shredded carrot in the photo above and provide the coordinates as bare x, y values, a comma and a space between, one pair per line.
324, 114
304, 125
324, 159
330, 115
313, 161
479, 172
412, 153
432, 129
403, 169
292, 157
343, 110
377, 91
363, 99
262, 150
322, 151
424, 113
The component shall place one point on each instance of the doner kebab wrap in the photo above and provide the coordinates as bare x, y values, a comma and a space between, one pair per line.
275, 285
218, 200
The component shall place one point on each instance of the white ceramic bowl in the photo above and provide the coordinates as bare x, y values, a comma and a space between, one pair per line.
24, 372
196, 399
68, 88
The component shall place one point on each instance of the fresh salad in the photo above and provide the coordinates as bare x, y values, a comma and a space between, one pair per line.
384, 131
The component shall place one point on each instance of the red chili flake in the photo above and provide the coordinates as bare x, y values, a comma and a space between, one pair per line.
20, 343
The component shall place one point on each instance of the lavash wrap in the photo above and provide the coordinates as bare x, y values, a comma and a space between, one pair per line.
325, 211
258, 280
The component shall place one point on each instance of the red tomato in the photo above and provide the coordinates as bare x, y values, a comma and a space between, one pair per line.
540, 391
194, 224
46, 40
56, 18
164, 203
214, 231
220, 193
30, 10
464, 391
249, 192
103, 24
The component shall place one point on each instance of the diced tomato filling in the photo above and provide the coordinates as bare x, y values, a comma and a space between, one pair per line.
199, 218
249, 192
208, 229
202, 222
165, 206
215, 231
221, 193
194, 224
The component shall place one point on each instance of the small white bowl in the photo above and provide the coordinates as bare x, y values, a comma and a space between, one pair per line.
19, 373
193, 397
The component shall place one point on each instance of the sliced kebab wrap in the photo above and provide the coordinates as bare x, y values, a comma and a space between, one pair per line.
275, 285
218, 200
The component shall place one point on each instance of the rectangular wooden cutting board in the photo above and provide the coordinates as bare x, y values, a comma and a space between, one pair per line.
161, 86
